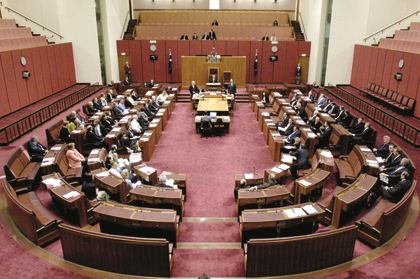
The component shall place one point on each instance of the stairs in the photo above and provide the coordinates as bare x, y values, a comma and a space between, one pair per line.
183, 97
242, 98
297, 30
128, 35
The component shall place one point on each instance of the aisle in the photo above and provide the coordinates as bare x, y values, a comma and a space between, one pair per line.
210, 245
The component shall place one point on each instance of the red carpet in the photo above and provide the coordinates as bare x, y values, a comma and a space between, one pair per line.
209, 232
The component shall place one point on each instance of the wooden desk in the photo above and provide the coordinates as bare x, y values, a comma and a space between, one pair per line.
306, 185
275, 144
325, 117
276, 172
77, 135
146, 173
158, 197
72, 203
96, 158
49, 161
115, 186
325, 159
213, 104
147, 143
113, 135
352, 197
250, 178
269, 124
340, 137
275, 222
136, 221
268, 197
225, 119
310, 139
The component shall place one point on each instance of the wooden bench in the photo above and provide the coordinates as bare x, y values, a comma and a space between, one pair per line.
385, 219
30, 216
20, 172
68, 173
53, 133
298, 254
114, 253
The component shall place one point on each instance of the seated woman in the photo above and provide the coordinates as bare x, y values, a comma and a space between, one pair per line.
74, 157
66, 130
88, 187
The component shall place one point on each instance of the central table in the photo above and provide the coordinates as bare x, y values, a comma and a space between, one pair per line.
216, 104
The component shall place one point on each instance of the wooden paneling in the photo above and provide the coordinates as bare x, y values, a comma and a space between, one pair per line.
195, 46
220, 47
291, 61
244, 50
266, 65
136, 58
172, 46
206, 47
51, 68
232, 48
255, 46
160, 65
196, 68
280, 65
380, 66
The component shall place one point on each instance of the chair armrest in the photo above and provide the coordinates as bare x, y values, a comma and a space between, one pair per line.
343, 156
245, 248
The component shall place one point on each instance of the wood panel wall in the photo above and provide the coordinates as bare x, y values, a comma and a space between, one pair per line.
143, 69
378, 65
51, 67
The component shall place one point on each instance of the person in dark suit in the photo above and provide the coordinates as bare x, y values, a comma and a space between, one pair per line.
324, 135
393, 193
96, 104
215, 23
193, 88
333, 110
358, 127
293, 135
300, 109
213, 35
88, 187
109, 95
275, 23
284, 121
106, 122
36, 150
364, 136
265, 99
301, 162
393, 159
184, 37
393, 173
127, 71
64, 133
383, 150
150, 84
129, 140
328, 106
90, 108
265, 38
298, 72
93, 138
288, 129
315, 125
341, 114
194, 36
231, 87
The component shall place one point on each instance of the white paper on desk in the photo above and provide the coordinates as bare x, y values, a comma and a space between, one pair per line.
103, 174
283, 167
116, 129
71, 194
364, 149
53, 182
265, 114
307, 129
155, 121
248, 175
147, 134
275, 170
311, 135
325, 114
94, 152
114, 172
47, 161
384, 178
309, 209
153, 125
371, 161
305, 182
286, 158
94, 160
147, 170
56, 148
290, 213
299, 212
380, 160
326, 153
135, 157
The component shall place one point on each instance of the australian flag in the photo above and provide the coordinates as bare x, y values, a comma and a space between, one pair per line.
170, 62
256, 62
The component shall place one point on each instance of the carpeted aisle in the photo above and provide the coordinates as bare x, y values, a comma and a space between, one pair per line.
211, 164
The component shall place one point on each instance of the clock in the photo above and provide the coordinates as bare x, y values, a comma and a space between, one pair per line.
274, 48
153, 47
23, 61
401, 63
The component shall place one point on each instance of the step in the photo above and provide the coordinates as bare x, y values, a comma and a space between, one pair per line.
209, 232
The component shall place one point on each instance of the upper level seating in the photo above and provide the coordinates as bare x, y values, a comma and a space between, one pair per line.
12, 33
298, 254
394, 99
401, 45
53, 133
20, 172
385, 219
30, 216
122, 254
185, 17
230, 32
404, 35
7, 23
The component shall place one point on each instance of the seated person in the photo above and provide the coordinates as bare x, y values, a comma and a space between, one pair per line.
134, 95
36, 150
315, 125
393, 173
322, 101
128, 140
76, 118
149, 109
301, 162
393, 193
358, 127
293, 135
342, 114
324, 135
364, 136
205, 125
215, 23
154, 103
284, 121
383, 150
88, 187
393, 159
294, 145
265, 38
144, 119
106, 122
97, 104
131, 180
109, 95
120, 109
294, 100
310, 98
74, 157
102, 100
129, 102
193, 88
300, 109
161, 99
311, 119
150, 84
330, 104
66, 130
135, 125
98, 128
93, 139
265, 99
90, 108
127, 81
184, 37
288, 129
194, 36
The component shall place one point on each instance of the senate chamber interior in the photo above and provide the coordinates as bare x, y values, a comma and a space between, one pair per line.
209, 138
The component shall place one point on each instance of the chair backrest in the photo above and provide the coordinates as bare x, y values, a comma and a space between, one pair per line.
17, 163
399, 98
53, 132
227, 75
389, 94
410, 103
394, 96
62, 163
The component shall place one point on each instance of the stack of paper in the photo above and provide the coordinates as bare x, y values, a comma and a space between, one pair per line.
94, 152
135, 157
47, 161
249, 175
305, 182
71, 194
283, 167
56, 148
380, 160
52, 182
311, 135
290, 213
309, 209
299, 212
326, 153
364, 149
286, 158
275, 170
147, 170
103, 174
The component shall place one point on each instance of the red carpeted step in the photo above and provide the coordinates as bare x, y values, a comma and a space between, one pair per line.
209, 232
213, 262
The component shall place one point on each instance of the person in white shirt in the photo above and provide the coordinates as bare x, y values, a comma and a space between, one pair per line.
162, 97
135, 125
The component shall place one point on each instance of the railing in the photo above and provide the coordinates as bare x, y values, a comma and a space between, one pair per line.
389, 121
303, 25
384, 30
31, 20
22, 126
125, 25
